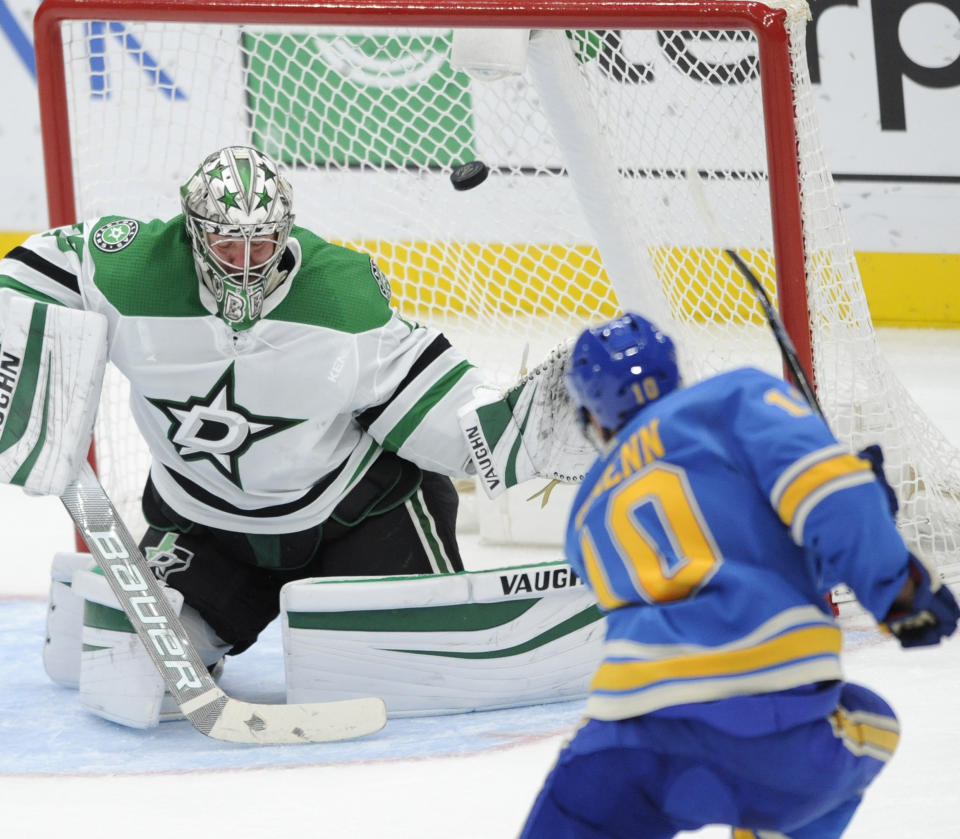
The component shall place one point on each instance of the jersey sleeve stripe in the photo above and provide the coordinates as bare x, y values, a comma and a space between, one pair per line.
46, 268
864, 733
27, 291
431, 353
814, 498
801, 465
821, 478
412, 418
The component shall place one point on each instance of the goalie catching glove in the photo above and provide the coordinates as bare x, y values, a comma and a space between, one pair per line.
929, 615
51, 368
527, 431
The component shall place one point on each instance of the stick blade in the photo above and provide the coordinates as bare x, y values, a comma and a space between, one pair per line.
313, 722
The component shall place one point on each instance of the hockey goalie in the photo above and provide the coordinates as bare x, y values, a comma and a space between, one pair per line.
303, 437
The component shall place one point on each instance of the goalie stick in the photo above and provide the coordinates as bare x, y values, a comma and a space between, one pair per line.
203, 703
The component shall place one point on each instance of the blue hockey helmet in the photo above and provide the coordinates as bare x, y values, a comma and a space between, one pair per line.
620, 367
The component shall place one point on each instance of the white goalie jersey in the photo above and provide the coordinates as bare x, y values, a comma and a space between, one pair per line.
264, 430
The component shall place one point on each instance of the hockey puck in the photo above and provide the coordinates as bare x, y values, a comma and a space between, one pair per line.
469, 175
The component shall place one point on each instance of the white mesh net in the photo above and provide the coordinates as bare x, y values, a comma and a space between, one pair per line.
860, 394
621, 159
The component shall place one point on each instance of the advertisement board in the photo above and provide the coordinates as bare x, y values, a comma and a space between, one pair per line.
885, 73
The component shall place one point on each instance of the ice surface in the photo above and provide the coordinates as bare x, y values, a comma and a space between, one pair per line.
66, 774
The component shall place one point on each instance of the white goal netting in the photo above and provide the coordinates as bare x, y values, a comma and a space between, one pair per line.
623, 163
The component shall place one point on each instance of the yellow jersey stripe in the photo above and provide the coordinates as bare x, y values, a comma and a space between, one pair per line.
801, 465
813, 479
619, 706
810, 503
866, 734
796, 617
625, 676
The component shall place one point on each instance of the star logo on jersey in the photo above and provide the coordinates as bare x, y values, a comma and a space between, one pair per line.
215, 428
115, 235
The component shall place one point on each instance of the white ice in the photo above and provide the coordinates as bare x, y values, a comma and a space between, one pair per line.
479, 793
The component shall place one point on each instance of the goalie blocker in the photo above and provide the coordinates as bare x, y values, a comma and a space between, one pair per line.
51, 368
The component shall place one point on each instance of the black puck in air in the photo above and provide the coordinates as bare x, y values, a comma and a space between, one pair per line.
469, 175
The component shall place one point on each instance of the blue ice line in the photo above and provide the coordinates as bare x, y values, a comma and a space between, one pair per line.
18, 39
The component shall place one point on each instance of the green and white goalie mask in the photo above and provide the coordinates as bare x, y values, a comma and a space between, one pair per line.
238, 213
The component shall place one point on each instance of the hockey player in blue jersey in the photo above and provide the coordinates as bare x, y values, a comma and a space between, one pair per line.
714, 521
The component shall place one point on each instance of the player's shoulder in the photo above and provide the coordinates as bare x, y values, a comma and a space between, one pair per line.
335, 287
739, 379
731, 405
750, 404
116, 234
144, 267
340, 264
760, 390
740, 385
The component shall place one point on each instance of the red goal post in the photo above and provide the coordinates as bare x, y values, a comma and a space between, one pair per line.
767, 24
639, 142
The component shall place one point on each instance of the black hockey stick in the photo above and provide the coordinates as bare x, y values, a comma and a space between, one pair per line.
203, 703
787, 349
873, 454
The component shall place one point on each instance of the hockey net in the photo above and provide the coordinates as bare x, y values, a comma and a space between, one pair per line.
635, 144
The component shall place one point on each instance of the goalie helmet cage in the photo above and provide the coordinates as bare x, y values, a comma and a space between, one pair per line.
640, 141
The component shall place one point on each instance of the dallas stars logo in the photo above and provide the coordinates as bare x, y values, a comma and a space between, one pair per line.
168, 557
215, 428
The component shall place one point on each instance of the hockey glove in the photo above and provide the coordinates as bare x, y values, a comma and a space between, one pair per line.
874, 456
530, 430
932, 613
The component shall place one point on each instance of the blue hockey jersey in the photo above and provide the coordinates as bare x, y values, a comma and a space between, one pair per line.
710, 533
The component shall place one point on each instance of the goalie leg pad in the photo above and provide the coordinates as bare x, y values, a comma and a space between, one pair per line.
118, 679
442, 643
51, 369
61, 649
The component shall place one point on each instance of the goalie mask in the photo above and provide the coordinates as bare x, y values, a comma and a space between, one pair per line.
238, 213
618, 368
